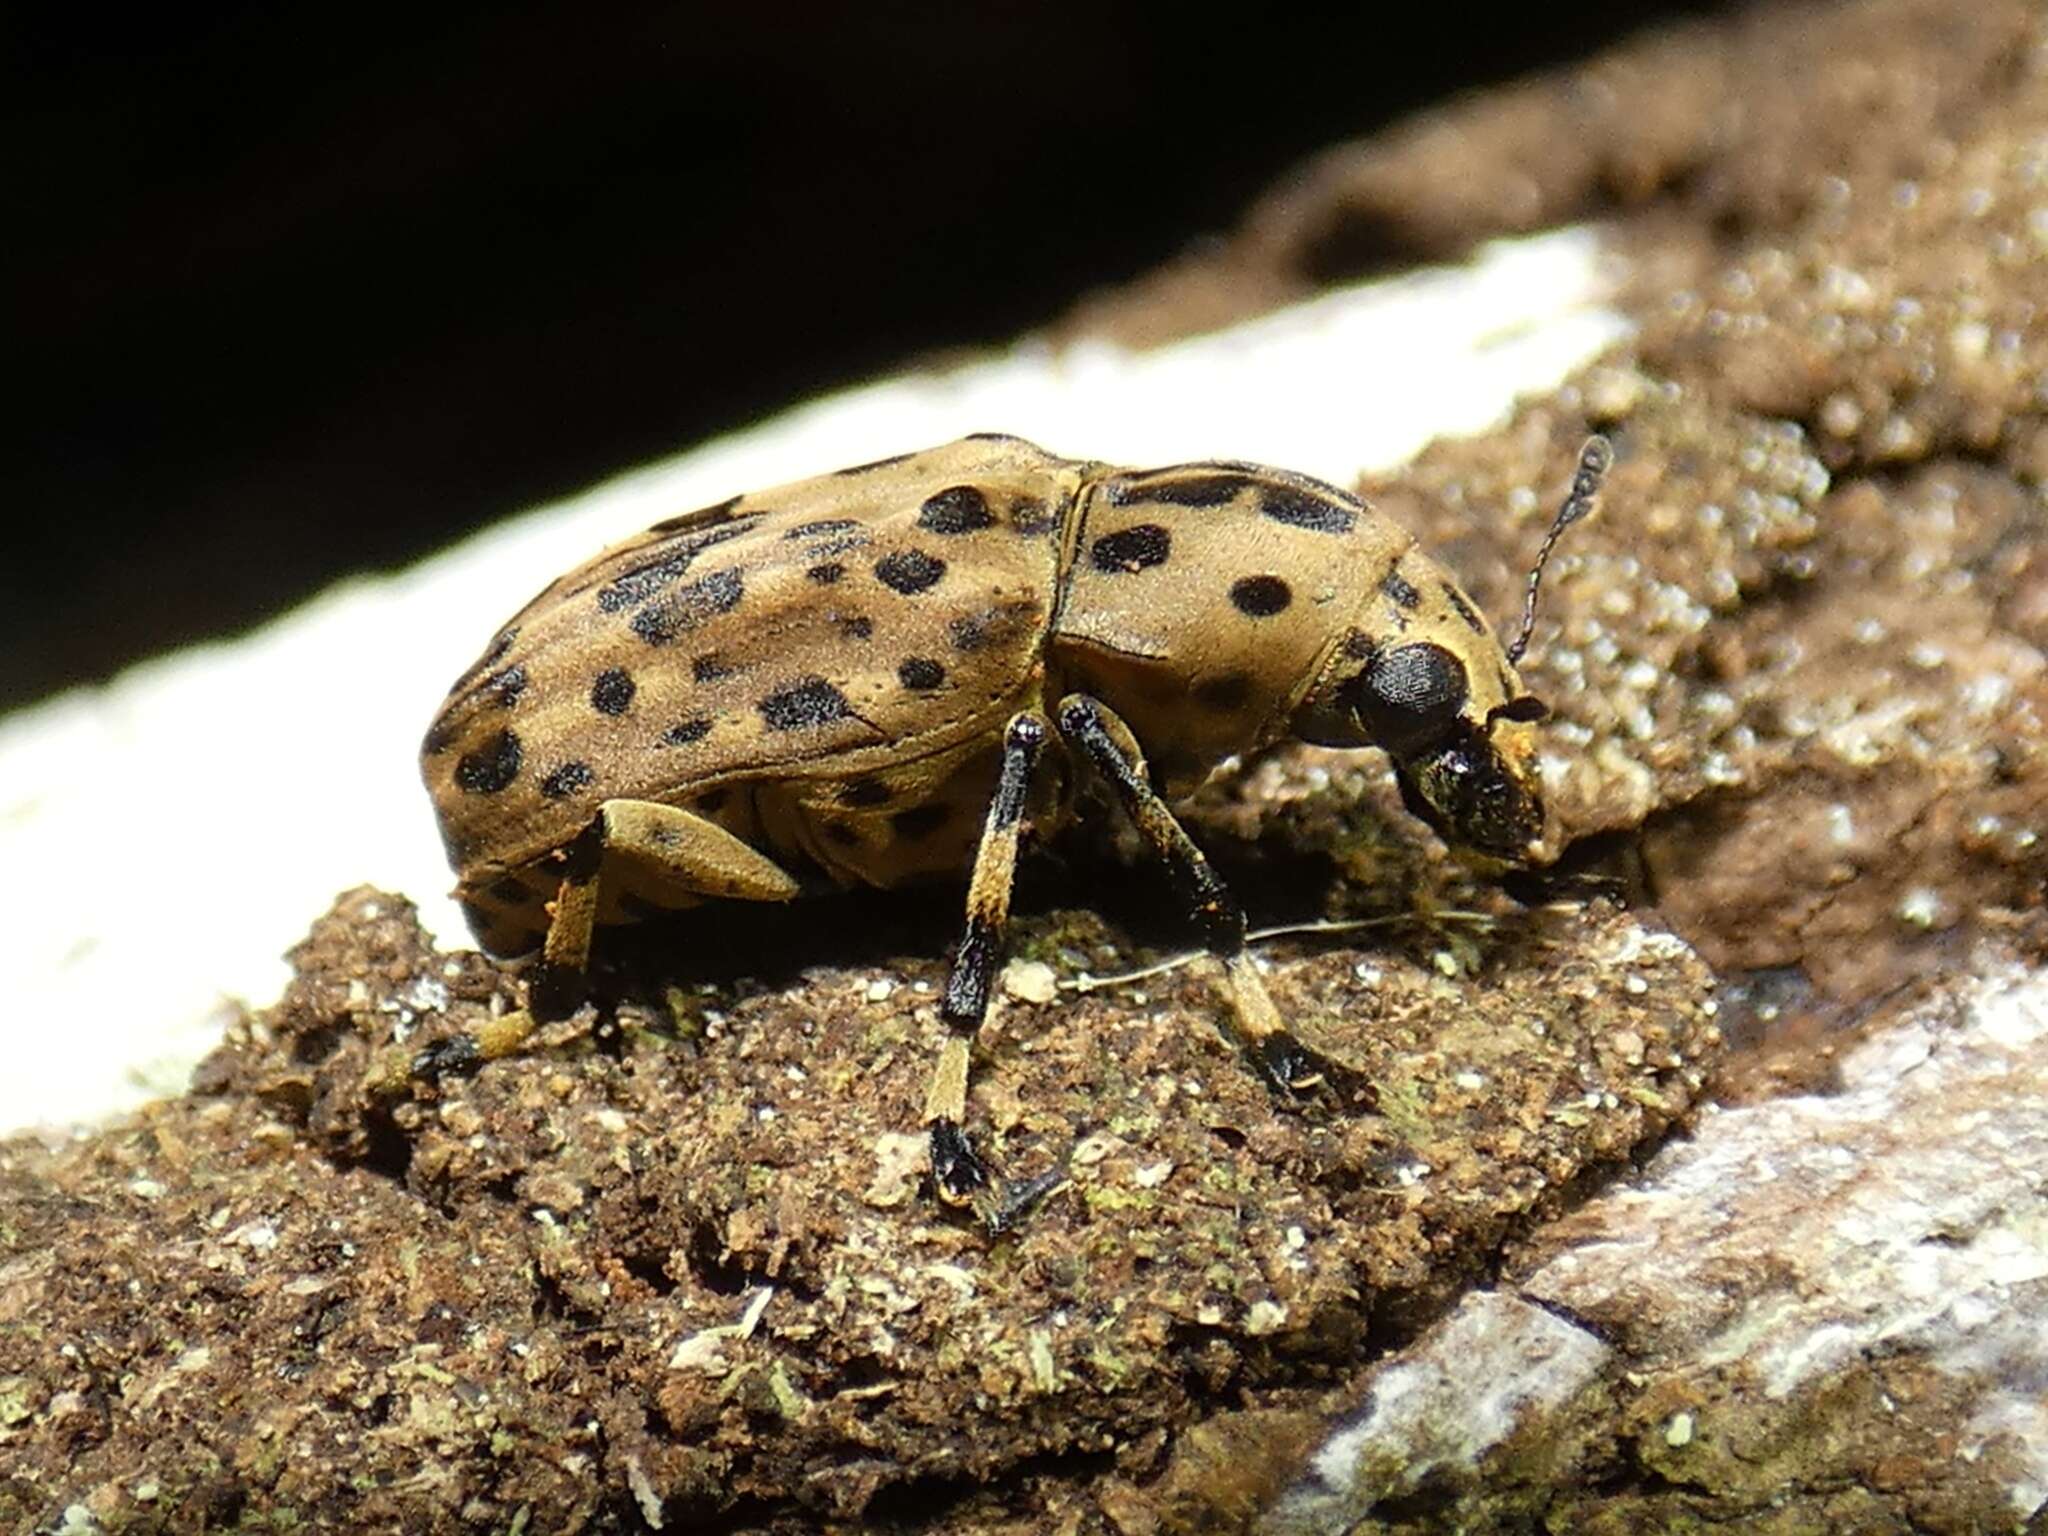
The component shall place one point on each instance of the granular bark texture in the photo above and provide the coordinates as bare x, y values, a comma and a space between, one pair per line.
699, 1284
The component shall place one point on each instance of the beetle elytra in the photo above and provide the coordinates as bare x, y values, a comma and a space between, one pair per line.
892, 672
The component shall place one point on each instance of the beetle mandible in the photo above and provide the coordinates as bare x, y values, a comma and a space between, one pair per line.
889, 673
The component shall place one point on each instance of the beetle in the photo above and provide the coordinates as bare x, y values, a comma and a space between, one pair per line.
888, 673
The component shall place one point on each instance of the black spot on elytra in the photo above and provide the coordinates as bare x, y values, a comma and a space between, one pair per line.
507, 686
825, 575
566, 780
864, 792
684, 732
491, 766
1305, 509
956, 509
1401, 590
631, 588
611, 691
1464, 609
1229, 691
804, 705
1260, 596
710, 667
688, 606
873, 464
1029, 515
919, 821
703, 515
509, 890
972, 632
920, 672
856, 626
1131, 549
910, 571
485, 662
1206, 489
819, 527
636, 584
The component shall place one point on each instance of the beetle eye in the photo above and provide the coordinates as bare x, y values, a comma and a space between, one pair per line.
1411, 695
1528, 709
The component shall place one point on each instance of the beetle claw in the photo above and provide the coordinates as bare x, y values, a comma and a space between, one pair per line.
1000, 1213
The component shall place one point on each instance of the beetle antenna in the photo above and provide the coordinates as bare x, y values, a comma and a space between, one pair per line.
1595, 459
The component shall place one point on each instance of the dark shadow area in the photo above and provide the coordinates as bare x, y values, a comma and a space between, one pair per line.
723, 942
304, 291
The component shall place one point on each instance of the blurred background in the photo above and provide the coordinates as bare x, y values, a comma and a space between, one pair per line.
297, 291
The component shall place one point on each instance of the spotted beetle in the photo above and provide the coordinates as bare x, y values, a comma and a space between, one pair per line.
888, 673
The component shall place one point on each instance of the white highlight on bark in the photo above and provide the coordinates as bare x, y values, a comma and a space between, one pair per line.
1483, 1372
1786, 1244
1906, 1213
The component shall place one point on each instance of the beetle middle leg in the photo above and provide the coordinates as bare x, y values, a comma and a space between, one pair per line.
679, 846
1108, 745
957, 1173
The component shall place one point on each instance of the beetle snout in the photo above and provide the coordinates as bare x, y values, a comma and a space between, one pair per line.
1477, 798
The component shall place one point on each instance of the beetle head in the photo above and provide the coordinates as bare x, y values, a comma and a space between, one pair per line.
1456, 722
1423, 677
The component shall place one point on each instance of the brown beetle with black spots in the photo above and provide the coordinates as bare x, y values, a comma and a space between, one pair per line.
887, 674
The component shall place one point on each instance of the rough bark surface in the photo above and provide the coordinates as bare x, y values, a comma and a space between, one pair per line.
701, 1280
1820, 1313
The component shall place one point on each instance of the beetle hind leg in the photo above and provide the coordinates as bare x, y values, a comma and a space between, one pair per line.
678, 846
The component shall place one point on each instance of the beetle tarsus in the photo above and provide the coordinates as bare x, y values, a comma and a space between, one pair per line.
1287, 1065
1295, 1071
963, 1180
456, 1056
958, 1174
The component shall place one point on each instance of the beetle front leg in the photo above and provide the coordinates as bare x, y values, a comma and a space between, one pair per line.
554, 988
960, 1176
1095, 731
